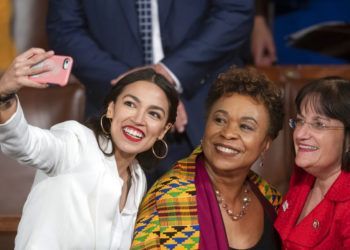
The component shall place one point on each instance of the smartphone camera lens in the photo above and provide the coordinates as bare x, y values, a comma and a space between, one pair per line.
66, 63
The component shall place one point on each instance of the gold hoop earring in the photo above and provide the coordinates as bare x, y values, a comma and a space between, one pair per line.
165, 149
101, 124
261, 161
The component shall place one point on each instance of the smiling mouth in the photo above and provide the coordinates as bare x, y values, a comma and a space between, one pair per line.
133, 134
226, 150
308, 147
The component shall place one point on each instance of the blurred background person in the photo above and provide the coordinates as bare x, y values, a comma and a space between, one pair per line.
276, 20
211, 199
189, 42
315, 212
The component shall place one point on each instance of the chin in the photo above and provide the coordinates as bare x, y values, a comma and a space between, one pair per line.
132, 150
304, 166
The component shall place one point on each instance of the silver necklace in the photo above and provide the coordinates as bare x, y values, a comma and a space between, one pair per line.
245, 203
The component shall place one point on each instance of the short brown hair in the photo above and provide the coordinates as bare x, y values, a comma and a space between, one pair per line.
329, 96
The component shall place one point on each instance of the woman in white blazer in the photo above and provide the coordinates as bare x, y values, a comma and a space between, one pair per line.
90, 184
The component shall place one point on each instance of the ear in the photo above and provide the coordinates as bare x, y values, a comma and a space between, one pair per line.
110, 110
166, 129
268, 142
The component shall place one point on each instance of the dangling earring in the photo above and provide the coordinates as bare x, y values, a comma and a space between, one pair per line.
261, 161
102, 126
165, 149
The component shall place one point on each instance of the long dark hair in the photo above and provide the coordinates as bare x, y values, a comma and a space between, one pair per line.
329, 96
146, 74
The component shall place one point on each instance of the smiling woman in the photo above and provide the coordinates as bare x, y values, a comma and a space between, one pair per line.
211, 199
320, 185
89, 185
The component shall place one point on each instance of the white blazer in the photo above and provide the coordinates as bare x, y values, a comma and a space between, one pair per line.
74, 201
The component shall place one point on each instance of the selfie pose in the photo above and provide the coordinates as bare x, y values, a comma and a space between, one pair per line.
90, 184
315, 212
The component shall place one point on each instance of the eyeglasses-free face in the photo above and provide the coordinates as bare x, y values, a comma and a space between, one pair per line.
138, 118
235, 134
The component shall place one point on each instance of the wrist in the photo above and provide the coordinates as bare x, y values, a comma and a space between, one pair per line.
160, 69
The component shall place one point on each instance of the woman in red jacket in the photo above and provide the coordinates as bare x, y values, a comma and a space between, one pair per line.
315, 213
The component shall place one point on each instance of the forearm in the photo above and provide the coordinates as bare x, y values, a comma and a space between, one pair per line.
49, 150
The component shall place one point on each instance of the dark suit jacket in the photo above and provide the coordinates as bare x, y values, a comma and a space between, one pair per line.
200, 38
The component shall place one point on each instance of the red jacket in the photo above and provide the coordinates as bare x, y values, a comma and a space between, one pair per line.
327, 226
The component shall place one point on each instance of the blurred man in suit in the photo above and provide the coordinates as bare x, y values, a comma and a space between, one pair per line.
192, 42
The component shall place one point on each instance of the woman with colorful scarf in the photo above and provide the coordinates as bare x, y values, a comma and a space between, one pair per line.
212, 200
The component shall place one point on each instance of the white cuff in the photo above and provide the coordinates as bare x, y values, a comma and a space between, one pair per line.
178, 86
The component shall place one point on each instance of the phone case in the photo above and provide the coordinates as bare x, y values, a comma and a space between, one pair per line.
61, 68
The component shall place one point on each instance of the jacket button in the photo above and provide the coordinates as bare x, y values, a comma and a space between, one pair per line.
315, 224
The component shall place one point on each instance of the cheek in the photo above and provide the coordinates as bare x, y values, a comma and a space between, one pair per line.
211, 130
115, 132
156, 129
295, 141
335, 146
255, 143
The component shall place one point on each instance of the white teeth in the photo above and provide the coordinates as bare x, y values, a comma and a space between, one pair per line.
133, 132
226, 150
308, 147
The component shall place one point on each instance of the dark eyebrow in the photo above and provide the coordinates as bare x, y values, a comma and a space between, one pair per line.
249, 118
224, 112
139, 101
317, 117
244, 118
132, 97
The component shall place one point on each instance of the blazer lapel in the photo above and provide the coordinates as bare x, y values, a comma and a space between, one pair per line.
291, 208
315, 227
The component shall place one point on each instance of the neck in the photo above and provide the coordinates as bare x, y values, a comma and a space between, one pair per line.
323, 183
229, 184
123, 164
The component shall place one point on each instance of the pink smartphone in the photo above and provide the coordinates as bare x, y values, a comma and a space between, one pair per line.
61, 68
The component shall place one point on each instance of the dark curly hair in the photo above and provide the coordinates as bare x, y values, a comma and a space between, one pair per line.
249, 82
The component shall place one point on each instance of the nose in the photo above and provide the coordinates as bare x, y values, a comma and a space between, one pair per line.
230, 131
302, 131
139, 117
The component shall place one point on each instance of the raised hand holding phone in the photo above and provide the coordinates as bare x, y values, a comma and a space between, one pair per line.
60, 67
17, 74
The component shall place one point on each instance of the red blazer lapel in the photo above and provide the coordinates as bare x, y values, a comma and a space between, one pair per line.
293, 203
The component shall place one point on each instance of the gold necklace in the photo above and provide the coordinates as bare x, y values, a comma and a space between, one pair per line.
245, 203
